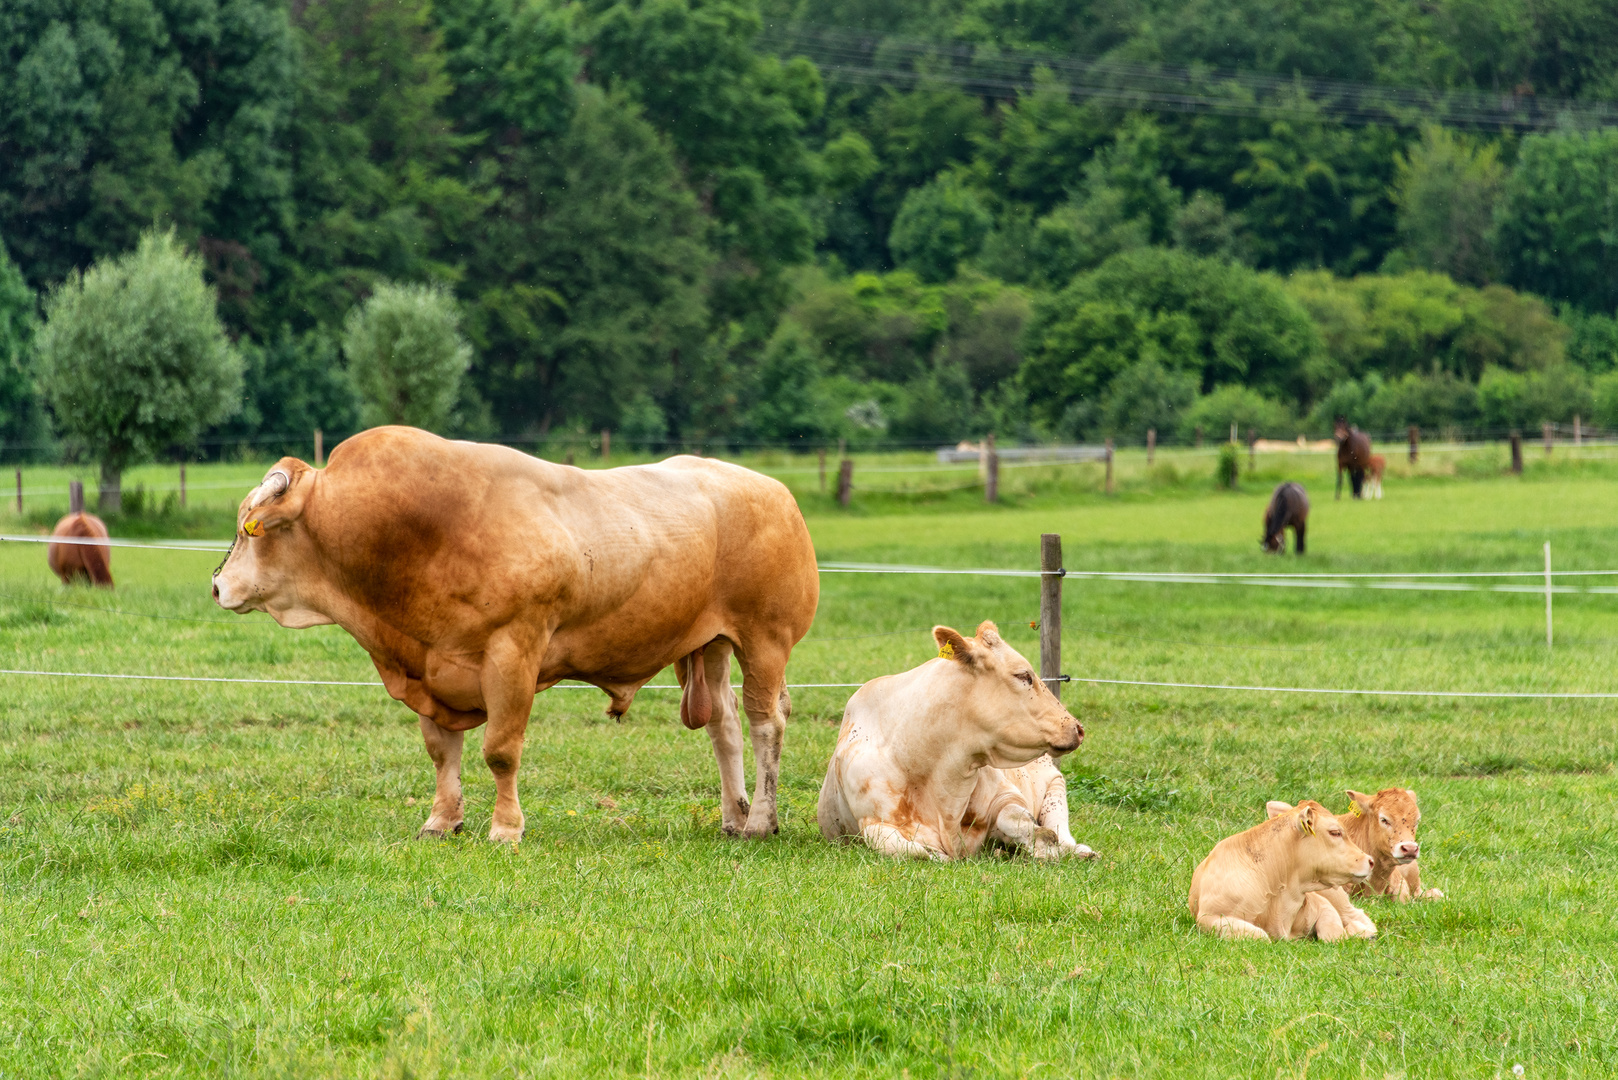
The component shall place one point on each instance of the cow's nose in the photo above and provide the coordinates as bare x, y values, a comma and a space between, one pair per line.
1366, 867
1072, 736
1409, 849
216, 590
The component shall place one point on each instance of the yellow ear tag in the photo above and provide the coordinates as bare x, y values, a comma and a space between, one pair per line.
253, 528
1354, 808
947, 651
1307, 827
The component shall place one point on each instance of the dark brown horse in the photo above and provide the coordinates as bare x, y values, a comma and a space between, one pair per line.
1353, 454
1289, 508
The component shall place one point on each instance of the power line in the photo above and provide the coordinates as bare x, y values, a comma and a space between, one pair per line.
878, 60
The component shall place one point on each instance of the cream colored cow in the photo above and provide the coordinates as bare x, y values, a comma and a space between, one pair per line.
1265, 883
908, 774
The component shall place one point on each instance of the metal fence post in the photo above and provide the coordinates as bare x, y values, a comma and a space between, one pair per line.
1050, 610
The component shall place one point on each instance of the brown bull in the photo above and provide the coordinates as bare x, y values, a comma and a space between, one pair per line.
476, 576
80, 562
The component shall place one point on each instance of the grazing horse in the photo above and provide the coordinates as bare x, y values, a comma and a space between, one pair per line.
1373, 486
1353, 454
1289, 508
90, 563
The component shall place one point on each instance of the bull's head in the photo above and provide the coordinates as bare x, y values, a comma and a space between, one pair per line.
1325, 853
1393, 815
257, 575
1012, 710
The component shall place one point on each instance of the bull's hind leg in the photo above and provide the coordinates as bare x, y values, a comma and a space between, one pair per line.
764, 696
725, 732
444, 747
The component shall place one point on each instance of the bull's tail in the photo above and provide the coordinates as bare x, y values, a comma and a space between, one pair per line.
696, 703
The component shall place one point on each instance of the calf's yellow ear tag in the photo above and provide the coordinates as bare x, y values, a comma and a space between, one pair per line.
1354, 808
253, 528
1307, 826
947, 651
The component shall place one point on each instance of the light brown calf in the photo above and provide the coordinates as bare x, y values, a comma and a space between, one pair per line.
1026, 807
91, 563
1384, 827
1264, 884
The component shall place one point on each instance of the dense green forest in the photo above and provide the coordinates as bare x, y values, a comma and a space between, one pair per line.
901, 221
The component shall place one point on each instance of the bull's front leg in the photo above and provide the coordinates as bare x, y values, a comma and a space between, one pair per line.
508, 681
449, 809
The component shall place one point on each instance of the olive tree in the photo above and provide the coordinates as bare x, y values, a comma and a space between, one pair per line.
133, 358
406, 356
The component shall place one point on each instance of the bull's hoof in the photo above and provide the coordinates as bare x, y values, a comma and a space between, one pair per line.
760, 832
730, 829
430, 831
505, 834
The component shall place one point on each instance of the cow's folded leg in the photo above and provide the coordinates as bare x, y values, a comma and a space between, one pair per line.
444, 747
1230, 927
1053, 815
885, 839
1016, 826
1322, 919
725, 732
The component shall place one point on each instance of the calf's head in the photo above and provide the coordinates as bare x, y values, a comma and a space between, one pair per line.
997, 692
257, 573
1391, 817
1325, 854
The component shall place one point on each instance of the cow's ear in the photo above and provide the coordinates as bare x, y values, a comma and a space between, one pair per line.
279, 499
951, 645
1359, 803
988, 634
1306, 820
1275, 808
1412, 793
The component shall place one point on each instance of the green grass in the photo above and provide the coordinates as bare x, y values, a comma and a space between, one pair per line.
216, 879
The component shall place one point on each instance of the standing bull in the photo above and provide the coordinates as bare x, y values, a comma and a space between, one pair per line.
477, 576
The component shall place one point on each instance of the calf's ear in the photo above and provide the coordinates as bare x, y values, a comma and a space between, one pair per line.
1359, 803
1306, 820
951, 645
1275, 807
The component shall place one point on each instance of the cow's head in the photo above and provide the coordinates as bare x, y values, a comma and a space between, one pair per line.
1391, 816
1000, 695
1325, 853
257, 574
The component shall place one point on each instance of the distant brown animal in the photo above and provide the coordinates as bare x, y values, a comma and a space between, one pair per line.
1288, 509
1353, 454
1373, 487
86, 562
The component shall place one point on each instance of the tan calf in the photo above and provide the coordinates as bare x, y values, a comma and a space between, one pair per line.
1384, 825
1261, 884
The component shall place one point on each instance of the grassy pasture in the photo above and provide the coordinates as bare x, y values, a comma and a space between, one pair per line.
220, 879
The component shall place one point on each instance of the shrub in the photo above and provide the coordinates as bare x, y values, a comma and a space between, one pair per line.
1249, 410
133, 358
406, 356
1228, 466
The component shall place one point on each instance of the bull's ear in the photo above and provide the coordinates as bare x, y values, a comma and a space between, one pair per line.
988, 634
1306, 820
1359, 802
279, 498
1275, 808
951, 645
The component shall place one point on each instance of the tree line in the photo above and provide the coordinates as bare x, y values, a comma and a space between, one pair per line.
656, 216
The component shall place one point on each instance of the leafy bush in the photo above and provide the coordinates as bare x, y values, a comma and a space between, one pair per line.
938, 225
133, 358
1227, 469
22, 418
1525, 400
1557, 225
1445, 188
1145, 397
406, 356
1249, 410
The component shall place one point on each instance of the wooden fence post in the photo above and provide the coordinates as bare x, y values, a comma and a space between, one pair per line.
845, 481
19, 491
823, 470
1516, 451
75, 497
1151, 445
1109, 466
606, 444
1050, 611
320, 448
1415, 443
182, 485
1199, 438
1545, 429
1578, 430
991, 476
1252, 449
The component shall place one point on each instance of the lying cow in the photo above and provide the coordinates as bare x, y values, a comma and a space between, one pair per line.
476, 576
1266, 883
1384, 826
908, 774
89, 562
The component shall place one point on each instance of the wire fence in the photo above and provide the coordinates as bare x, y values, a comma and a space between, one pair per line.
1425, 580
